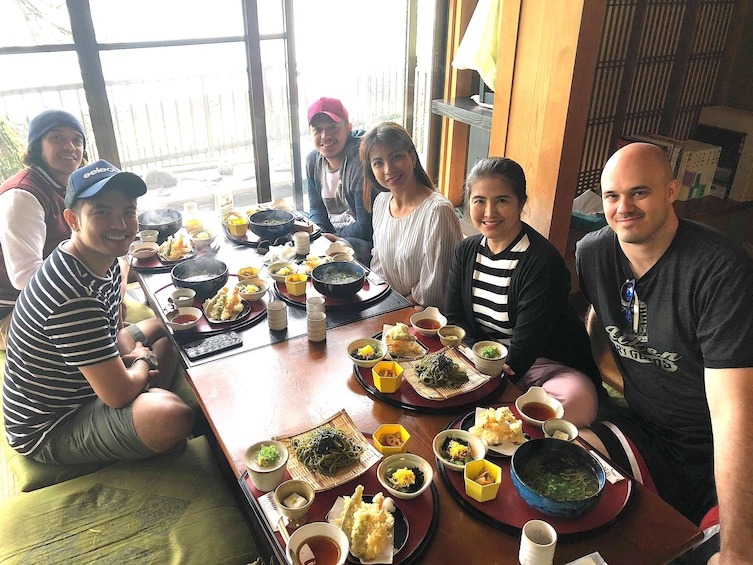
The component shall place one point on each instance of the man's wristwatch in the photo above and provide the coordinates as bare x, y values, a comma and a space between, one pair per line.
151, 360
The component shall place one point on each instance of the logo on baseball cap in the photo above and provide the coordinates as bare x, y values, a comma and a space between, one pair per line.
89, 180
332, 107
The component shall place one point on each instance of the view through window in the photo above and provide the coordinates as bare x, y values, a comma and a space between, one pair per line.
178, 90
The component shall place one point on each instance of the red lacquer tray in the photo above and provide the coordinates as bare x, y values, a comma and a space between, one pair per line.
508, 511
153, 264
421, 513
407, 398
368, 294
250, 239
257, 311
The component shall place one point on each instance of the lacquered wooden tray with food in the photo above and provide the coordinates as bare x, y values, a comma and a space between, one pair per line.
175, 249
508, 511
415, 520
410, 350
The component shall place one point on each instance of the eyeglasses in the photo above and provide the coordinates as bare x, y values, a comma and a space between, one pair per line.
630, 304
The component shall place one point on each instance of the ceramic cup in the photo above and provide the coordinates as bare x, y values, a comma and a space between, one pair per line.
277, 315
183, 297
538, 540
315, 304
302, 243
316, 324
148, 236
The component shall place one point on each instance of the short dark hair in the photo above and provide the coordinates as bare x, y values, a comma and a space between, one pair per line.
397, 138
33, 155
498, 167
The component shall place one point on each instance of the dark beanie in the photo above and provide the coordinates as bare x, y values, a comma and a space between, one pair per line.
44, 122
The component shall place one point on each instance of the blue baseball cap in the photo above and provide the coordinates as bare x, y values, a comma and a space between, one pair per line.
90, 179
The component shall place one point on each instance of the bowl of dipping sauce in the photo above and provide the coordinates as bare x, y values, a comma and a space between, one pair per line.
428, 321
319, 542
183, 319
536, 406
143, 250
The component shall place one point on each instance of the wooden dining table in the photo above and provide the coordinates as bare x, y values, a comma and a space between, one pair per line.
295, 384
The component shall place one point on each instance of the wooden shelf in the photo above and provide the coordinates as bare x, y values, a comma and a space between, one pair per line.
464, 110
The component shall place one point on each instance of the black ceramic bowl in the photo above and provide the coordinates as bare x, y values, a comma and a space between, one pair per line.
166, 222
556, 458
271, 224
338, 280
204, 275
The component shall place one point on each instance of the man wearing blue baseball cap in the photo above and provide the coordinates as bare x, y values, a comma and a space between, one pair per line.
77, 387
32, 203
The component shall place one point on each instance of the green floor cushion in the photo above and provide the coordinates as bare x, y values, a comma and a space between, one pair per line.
174, 508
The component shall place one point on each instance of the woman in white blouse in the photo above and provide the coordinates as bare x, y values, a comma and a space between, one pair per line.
416, 229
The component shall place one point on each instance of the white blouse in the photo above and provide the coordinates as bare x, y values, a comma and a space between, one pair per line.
413, 254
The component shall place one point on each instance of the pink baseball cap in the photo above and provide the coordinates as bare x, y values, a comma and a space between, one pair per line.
332, 107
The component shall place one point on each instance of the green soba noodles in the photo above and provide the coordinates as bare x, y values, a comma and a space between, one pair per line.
561, 478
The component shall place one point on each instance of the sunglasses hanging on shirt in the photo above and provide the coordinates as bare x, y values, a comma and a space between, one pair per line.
630, 304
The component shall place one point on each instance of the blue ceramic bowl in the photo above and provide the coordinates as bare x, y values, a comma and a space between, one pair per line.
556, 455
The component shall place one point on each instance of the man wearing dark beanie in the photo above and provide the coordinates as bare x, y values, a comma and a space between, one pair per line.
32, 203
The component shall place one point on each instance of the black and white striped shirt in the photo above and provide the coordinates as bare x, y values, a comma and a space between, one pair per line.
65, 318
491, 284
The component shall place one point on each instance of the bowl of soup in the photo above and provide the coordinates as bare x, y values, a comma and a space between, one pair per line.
537, 406
338, 280
320, 541
205, 275
429, 321
557, 478
185, 318
271, 224
489, 357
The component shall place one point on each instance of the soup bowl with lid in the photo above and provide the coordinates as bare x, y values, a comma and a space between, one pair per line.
557, 478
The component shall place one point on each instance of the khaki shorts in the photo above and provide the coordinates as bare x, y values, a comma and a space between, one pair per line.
4, 328
94, 432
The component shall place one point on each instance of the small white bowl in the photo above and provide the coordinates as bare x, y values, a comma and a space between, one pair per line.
302, 489
492, 367
537, 394
359, 343
183, 297
196, 313
266, 478
202, 242
143, 250
451, 336
337, 248
253, 296
555, 427
398, 461
317, 529
430, 313
477, 445
148, 236
274, 267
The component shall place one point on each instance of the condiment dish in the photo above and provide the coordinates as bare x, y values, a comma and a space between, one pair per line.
451, 336
266, 476
477, 446
428, 321
537, 402
183, 319
558, 428
296, 515
383, 444
489, 365
317, 530
387, 375
378, 352
251, 295
275, 268
400, 461
183, 297
202, 238
248, 273
474, 489
296, 284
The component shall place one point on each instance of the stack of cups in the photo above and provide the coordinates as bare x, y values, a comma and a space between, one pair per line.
277, 315
316, 324
538, 540
302, 243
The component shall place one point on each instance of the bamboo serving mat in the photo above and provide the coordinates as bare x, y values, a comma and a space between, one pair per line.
475, 379
320, 482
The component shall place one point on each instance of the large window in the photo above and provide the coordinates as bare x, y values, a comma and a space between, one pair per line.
166, 90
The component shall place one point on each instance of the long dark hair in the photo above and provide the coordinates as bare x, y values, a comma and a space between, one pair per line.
498, 167
33, 156
397, 138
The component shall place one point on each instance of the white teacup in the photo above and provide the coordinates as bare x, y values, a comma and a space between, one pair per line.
183, 297
148, 236
538, 540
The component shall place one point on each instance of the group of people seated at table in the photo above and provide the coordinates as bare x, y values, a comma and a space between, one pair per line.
670, 297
